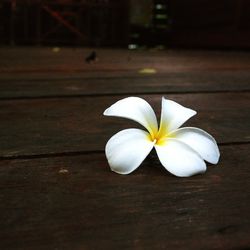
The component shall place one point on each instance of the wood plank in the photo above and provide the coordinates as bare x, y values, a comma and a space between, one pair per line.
181, 82
15, 62
78, 203
49, 126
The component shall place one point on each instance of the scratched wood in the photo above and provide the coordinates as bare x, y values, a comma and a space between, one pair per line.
77, 203
66, 125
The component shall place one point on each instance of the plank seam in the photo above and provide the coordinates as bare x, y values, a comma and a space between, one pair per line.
122, 94
50, 155
78, 153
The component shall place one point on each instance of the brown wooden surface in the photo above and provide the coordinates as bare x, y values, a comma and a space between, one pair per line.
57, 191
135, 83
43, 126
76, 203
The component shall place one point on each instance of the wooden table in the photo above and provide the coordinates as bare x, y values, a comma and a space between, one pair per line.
57, 191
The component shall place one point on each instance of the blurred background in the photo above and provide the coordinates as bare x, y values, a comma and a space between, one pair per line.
223, 24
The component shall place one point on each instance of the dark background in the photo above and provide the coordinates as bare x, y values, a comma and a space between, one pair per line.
123, 23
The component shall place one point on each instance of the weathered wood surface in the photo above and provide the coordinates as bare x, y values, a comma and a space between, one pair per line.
57, 191
77, 203
29, 73
44, 62
44, 126
136, 83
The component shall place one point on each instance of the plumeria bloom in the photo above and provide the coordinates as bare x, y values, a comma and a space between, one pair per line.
181, 151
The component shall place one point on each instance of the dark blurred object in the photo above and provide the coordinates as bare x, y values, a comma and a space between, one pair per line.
92, 57
191, 24
64, 22
117, 23
149, 23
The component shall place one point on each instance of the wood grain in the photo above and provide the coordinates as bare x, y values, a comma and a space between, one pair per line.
78, 203
41, 126
19, 62
57, 191
182, 82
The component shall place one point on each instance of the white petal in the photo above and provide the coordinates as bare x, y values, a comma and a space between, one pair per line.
127, 149
136, 109
200, 141
173, 115
179, 159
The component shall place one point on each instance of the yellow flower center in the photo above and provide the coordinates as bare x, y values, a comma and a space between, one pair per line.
158, 138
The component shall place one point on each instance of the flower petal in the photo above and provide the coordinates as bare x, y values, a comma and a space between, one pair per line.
200, 141
127, 149
179, 159
173, 115
136, 109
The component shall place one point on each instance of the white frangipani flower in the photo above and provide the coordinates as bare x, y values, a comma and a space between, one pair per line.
181, 151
